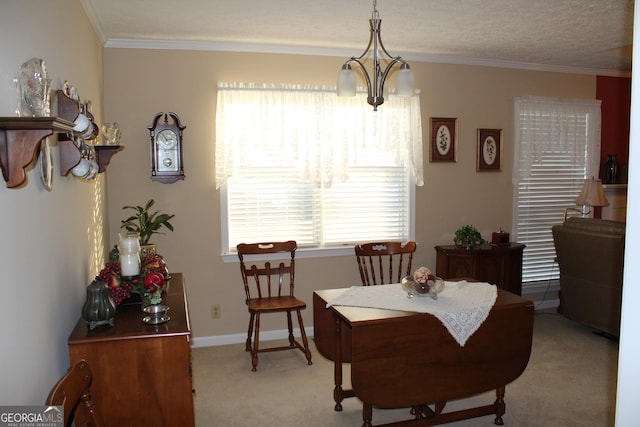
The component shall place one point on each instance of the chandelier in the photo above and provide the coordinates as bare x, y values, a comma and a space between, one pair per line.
378, 78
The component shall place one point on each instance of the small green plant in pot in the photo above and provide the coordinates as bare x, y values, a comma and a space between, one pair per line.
468, 236
146, 223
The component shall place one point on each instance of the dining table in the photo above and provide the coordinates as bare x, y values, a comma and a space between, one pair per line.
415, 359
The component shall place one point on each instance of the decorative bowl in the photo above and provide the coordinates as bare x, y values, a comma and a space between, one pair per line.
431, 288
156, 314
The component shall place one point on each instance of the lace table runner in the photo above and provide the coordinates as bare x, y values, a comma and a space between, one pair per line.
461, 306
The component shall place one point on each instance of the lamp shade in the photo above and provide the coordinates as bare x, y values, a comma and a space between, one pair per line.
346, 82
592, 194
404, 81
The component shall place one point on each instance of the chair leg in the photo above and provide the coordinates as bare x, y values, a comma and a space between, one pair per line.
305, 342
248, 344
292, 341
256, 341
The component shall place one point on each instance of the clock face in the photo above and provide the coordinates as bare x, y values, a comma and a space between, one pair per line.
167, 139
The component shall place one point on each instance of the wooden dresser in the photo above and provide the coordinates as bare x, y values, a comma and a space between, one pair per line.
617, 197
498, 265
141, 373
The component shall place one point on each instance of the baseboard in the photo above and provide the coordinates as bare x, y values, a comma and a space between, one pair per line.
216, 340
544, 296
543, 305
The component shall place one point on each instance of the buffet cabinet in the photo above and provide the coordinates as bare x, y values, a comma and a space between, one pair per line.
500, 265
617, 197
141, 373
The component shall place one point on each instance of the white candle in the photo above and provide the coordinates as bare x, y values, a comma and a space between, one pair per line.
129, 265
129, 256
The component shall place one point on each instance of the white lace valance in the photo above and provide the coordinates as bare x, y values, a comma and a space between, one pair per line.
313, 129
555, 125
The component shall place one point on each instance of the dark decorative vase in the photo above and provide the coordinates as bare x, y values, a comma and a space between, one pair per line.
99, 308
611, 170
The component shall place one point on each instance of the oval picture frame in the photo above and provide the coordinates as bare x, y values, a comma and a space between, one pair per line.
489, 152
444, 139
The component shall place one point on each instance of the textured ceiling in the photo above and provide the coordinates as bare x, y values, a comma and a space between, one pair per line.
577, 35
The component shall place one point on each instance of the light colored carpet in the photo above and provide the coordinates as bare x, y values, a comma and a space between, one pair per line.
570, 381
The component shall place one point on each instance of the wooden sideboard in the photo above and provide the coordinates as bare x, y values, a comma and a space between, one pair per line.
141, 373
498, 265
617, 197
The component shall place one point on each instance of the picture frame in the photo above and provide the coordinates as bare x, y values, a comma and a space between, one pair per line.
444, 139
489, 155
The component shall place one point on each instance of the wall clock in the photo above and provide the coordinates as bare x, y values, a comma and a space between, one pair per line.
166, 148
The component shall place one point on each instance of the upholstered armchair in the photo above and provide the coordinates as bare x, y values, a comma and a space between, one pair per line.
590, 254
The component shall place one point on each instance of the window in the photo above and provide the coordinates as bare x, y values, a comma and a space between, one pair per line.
557, 146
301, 163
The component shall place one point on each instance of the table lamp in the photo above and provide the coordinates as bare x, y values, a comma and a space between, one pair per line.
592, 194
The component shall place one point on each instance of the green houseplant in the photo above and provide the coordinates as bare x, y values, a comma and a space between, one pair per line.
468, 236
146, 223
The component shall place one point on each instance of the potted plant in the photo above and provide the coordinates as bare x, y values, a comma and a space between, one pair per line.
146, 223
468, 236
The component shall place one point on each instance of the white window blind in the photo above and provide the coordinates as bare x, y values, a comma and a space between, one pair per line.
557, 146
268, 204
321, 170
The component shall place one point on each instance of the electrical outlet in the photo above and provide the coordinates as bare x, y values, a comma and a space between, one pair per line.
215, 311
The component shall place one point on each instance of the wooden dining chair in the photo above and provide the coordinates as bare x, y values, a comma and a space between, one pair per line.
384, 262
271, 291
73, 393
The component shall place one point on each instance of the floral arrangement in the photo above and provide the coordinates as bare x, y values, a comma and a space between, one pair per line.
150, 284
422, 274
424, 282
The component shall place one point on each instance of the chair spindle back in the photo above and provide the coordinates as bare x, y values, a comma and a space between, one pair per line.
384, 262
265, 276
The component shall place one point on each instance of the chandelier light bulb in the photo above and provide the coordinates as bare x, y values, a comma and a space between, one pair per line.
404, 81
346, 81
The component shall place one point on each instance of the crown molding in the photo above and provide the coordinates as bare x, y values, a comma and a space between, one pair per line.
347, 53
92, 16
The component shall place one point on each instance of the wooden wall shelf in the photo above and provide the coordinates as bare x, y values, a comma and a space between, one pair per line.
104, 154
20, 138
69, 156
68, 109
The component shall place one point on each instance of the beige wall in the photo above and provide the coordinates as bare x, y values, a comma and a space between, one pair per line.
141, 83
51, 243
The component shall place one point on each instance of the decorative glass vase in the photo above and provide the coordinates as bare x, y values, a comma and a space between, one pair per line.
430, 288
34, 89
611, 170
